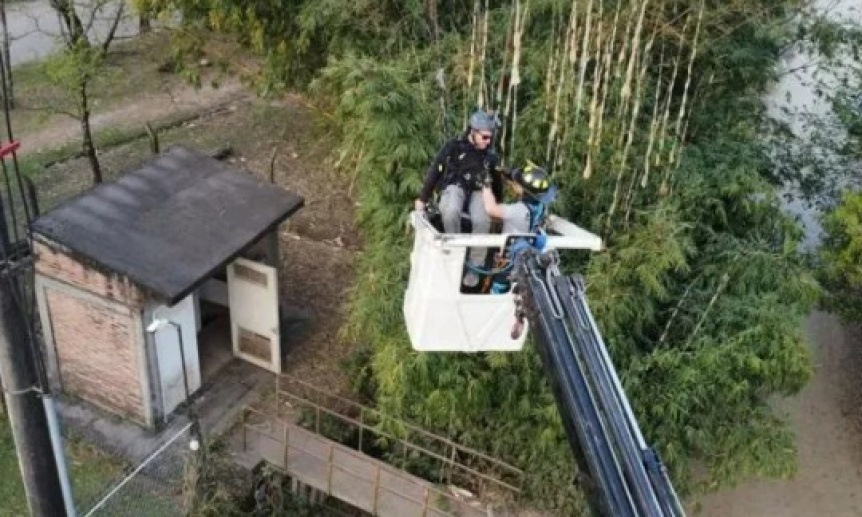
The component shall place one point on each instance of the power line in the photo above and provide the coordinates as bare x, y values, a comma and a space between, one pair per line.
30, 407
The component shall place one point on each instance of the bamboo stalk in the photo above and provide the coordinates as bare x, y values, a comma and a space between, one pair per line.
553, 140
623, 54
654, 122
569, 90
473, 36
669, 97
676, 148
677, 309
725, 278
685, 91
510, 90
592, 140
626, 90
638, 102
516, 73
583, 70
553, 58
606, 76
481, 99
625, 95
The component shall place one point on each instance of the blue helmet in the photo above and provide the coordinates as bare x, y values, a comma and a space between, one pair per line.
482, 121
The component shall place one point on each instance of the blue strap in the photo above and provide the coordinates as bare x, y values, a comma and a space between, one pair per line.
537, 213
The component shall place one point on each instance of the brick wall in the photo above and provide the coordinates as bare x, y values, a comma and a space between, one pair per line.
97, 353
93, 319
56, 264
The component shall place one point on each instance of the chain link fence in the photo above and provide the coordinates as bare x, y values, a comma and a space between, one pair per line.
154, 487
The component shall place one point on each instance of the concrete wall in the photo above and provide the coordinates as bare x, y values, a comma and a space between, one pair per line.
94, 342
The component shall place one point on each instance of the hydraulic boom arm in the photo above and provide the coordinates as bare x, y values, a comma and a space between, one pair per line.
621, 475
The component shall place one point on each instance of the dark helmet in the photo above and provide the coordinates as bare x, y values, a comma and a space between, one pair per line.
481, 121
534, 179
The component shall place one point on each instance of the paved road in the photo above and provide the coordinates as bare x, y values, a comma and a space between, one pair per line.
35, 28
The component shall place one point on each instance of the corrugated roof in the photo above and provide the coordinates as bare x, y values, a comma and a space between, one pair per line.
171, 224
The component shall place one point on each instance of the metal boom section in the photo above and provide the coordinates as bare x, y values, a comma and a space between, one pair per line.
621, 474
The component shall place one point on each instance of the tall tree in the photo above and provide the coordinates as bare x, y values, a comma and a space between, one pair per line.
83, 58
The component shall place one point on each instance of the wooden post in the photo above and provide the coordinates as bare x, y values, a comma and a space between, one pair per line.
451, 463
442, 470
286, 445
425, 502
361, 426
329, 477
245, 430
376, 490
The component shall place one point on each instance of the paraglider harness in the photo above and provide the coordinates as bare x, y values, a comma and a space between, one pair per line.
499, 279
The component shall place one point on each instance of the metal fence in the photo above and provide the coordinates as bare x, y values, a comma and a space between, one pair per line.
382, 465
154, 487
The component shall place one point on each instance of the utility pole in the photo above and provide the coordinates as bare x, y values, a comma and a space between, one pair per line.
23, 405
21, 380
29, 405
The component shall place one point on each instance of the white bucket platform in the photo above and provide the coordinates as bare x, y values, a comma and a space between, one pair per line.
439, 317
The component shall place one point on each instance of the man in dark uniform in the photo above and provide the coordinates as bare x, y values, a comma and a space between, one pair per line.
459, 169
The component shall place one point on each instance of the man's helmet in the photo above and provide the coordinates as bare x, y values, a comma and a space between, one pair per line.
534, 179
481, 121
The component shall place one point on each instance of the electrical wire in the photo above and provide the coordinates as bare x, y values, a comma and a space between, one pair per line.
15, 262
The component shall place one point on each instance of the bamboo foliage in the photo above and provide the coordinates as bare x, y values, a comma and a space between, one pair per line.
700, 290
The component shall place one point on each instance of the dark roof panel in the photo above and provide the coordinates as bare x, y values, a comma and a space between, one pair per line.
171, 224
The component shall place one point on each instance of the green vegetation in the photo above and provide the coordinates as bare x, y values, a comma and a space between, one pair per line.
649, 114
841, 258
91, 472
131, 69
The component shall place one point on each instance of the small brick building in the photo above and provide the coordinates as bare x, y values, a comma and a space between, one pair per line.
186, 239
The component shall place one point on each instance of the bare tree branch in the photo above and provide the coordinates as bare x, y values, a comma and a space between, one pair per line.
92, 20
71, 22
113, 31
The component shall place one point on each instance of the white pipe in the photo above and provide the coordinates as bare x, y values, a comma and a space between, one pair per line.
59, 454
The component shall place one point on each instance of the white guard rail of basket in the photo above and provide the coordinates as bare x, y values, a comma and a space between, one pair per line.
439, 318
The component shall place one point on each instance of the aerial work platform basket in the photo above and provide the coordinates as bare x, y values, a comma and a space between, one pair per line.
439, 316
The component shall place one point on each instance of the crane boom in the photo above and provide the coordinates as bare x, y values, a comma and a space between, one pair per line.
621, 474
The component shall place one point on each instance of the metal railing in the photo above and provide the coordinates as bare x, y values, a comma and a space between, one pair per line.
303, 408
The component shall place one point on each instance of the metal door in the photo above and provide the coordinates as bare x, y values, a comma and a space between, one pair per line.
253, 303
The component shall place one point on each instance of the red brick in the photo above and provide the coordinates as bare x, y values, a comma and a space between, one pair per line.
97, 352
62, 266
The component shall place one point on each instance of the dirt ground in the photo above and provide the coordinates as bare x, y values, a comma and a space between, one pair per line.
827, 419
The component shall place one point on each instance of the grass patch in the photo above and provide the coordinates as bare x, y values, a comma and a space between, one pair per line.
91, 470
35, 164
132, 72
